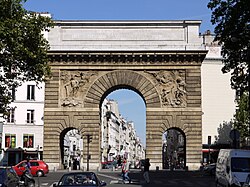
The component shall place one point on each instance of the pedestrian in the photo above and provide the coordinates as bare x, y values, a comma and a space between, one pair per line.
146, 170
28, 164
78, 158
119, 161
125, 171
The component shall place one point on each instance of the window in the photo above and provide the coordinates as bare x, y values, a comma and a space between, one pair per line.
10, 140
11, 116
34, 164
31, 92
30, 116
28, 140
240, 164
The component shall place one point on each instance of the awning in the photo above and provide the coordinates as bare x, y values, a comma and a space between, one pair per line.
209, 150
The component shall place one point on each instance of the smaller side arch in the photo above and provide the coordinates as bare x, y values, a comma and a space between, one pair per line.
174, 149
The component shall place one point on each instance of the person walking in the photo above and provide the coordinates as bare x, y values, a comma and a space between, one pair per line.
125, 171
146, 170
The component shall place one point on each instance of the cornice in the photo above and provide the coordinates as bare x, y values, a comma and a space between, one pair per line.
128, 57
126, 23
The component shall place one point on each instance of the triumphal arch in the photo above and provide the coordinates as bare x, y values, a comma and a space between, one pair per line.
159, 60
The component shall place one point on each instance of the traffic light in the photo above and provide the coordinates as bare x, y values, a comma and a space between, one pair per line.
89, 138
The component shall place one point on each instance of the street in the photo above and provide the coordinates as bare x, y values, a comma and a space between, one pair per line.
157, 178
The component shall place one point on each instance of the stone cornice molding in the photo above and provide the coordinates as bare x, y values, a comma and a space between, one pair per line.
189, 57
126, 23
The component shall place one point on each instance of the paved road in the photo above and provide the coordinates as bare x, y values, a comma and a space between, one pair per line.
158, 178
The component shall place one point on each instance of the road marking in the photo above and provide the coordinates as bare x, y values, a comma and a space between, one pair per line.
114, 182
108, 176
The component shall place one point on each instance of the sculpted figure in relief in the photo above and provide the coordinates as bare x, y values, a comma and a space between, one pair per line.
72, 87
172, 87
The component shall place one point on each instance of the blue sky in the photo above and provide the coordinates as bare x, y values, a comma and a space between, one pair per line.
131, 105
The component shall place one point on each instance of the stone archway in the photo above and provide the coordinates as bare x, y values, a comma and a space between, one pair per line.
167, 80
80, 107
174, 149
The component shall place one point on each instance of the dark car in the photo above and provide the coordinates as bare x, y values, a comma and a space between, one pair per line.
80, 179
8, 177
210, 169
37, 167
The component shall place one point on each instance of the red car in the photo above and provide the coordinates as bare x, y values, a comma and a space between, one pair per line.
37, 167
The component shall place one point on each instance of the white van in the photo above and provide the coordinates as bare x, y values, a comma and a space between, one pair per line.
232, 167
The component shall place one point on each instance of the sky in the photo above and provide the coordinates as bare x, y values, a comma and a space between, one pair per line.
131, 105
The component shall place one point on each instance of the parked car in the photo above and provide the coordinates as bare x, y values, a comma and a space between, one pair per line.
86, 179
232, 167
107, 165
8, 177
37, 167
210, 169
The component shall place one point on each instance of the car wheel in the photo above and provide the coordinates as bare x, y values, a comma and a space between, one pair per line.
39, 173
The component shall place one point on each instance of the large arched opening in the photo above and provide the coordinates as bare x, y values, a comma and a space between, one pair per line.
123, 124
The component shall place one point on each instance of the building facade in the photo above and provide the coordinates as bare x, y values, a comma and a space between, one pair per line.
23, 127
218, 98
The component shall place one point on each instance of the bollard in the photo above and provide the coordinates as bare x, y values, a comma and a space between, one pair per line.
157, 168
55, 169
69, 168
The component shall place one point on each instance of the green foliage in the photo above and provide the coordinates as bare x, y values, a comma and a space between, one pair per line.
232, 19
242, 116
23, 48
223, 133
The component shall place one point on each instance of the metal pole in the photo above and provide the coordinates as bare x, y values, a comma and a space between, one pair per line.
88, 140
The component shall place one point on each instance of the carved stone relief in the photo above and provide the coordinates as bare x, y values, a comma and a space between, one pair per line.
172, 87
73, 87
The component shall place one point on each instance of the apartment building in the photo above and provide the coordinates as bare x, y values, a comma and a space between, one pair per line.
22, 134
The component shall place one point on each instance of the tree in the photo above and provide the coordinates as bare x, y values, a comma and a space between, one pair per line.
232, 31
233, 34
242, 117
23, 48
223, 133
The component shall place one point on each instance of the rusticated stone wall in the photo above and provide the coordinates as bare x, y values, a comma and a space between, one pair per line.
170, 87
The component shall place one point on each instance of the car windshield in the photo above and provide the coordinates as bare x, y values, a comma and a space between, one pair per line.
79, 179
240, 164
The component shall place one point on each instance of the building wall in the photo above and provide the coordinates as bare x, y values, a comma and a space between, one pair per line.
217, 96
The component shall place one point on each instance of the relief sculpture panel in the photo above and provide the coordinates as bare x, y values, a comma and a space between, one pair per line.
73, 85
172, 87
